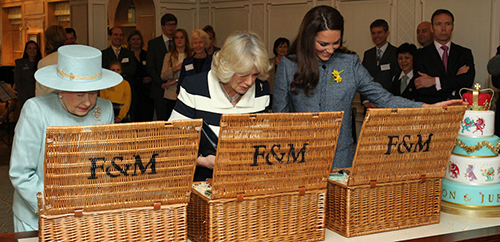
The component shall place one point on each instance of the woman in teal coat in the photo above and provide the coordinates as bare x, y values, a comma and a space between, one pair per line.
78, 77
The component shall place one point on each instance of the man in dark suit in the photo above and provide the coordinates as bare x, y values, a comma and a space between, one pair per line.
157, 48
116, 52
443, 67
127, 58
381, 60
424, 34
403, 83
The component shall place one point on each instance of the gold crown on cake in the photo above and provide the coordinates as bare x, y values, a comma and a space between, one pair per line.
478, 99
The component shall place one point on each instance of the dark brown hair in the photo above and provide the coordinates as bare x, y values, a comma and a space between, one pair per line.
38, 56
442, 11
318, 19
380, 23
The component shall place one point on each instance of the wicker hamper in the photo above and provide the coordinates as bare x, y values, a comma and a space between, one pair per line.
395, 179
269, 181
120, 182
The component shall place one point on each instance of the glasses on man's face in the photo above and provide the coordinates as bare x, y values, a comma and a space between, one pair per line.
171, 24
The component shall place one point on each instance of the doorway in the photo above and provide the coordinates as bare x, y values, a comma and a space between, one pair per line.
133, 14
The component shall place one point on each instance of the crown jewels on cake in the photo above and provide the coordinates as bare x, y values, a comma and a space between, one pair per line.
478, 99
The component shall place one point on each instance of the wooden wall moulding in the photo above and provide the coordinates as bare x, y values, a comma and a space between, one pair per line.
34, 37
33, 8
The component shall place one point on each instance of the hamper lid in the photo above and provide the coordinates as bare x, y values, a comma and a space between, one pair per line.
105, 167
269, 153
405, 144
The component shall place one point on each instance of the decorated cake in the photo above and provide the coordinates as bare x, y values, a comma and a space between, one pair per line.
472, 182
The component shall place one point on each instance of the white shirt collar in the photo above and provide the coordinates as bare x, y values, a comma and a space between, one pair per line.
165, 38
384, 47
441, 51
410, 75
220, 100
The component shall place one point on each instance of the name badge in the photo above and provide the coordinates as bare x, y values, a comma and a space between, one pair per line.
143, 63
125, 60
385, 67
189, 67
26, 68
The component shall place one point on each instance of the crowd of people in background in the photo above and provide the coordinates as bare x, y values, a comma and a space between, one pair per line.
152, 76
156, 75
435, 72
187, 77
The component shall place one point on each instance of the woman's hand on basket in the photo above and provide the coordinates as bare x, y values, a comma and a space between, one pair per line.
453, 102
207, 161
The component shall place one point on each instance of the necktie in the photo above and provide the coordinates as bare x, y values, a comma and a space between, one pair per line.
404, 83
117, 52
169, 45
379, 55
445, 57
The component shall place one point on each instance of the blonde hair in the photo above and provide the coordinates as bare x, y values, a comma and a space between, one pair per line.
199, 34
240, 53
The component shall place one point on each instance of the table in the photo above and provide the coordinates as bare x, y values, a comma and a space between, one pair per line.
451, 228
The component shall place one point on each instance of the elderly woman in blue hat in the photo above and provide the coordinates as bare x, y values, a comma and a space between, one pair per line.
77, 79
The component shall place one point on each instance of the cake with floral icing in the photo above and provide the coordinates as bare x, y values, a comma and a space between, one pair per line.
472, 182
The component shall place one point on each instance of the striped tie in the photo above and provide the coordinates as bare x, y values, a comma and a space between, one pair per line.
379, 56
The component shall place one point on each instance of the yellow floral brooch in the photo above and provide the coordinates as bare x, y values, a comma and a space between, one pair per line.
336, 76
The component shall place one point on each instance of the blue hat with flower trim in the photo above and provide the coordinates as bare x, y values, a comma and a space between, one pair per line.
78, 69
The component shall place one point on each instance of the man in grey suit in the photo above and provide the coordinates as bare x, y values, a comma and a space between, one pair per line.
157, 48
126, 57
381, 61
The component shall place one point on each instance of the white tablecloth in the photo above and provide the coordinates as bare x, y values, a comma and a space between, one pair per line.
449, 223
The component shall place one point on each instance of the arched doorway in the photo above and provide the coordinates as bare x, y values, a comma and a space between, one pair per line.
120, 14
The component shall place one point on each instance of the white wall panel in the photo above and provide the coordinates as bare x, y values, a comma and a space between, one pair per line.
358, 15
186, 18
325, 2
227, 20
284, 21
258, 20
405, 23
78, 13
98, 25
204, 16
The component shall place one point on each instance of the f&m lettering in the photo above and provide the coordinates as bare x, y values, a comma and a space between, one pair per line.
405, 145
114, 170
274, 156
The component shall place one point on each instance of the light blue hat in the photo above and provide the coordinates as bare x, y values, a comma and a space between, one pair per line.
78, 69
